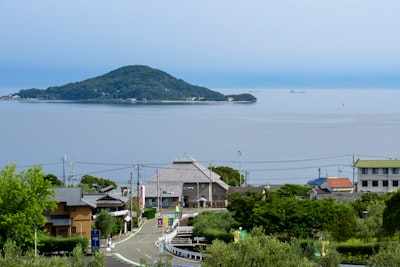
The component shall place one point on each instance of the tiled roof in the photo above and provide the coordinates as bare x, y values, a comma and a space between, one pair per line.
72, 196
379, 163
96, 199
339, 182
247, 189
184, 169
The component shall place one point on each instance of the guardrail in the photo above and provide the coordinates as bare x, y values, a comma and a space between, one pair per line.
184, 253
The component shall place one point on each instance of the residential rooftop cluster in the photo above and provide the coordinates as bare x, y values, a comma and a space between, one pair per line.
188, 183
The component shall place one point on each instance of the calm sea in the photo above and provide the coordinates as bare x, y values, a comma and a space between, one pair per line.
283, 138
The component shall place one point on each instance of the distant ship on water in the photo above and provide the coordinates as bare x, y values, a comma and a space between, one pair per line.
297, 92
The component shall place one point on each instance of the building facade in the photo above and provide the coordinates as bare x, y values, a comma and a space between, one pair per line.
380, 176
185, 182
72, 217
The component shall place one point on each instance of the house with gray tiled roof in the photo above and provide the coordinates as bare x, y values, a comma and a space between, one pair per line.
185, 182
73, 215
75, 211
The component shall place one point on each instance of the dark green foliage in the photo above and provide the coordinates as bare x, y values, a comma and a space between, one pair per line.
213, 233
391, 214
365, 249
293, 190
53, 180
50, 245
242, 208
243, 97
150, 213
256, 249
214, 225
229, 175
292, 217
96, 183
139, 82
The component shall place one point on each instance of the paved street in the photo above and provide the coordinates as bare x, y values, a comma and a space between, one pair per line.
141, 248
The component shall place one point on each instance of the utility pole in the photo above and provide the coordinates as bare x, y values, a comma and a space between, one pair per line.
353, 169
158, 193
64, 159
210, 188
240, 168
131, 201
138, 185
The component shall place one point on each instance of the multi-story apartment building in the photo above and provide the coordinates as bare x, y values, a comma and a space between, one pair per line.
378, 176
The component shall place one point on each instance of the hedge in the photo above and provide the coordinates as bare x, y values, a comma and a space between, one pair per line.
61, 245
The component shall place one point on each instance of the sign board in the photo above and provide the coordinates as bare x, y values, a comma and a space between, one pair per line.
95, 237
160, 222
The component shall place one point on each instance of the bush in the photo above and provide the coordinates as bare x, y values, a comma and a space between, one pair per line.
150, 213
51, 245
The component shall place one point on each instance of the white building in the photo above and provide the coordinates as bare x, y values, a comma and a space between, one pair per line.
378, 176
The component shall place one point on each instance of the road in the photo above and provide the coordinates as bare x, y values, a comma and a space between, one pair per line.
141, 248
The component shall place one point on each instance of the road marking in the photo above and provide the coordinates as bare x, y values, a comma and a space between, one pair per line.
138, 249
150, 257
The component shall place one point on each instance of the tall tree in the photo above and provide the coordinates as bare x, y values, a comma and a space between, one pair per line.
391, 214
24, 197
229, 175
53, 180
104, 222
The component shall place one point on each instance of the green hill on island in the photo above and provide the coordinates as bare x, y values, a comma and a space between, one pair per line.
140, 83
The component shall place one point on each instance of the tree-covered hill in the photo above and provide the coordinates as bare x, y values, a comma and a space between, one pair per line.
131, 82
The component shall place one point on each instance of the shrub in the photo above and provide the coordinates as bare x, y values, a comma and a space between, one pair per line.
51, 245
150, 213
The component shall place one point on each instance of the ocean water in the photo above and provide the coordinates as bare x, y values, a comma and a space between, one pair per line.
283, 138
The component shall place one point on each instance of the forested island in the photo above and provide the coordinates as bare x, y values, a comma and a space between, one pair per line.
131, 84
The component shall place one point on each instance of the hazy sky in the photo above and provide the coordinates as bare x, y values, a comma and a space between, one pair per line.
214, 43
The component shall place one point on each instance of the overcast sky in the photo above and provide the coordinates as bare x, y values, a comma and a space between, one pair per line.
214, 43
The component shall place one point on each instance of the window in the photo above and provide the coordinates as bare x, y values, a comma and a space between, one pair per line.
395, 170
364, 171
374, 170
385, 183
73, 230
395, 183
364, 183
68, 208
375, 183
385, 171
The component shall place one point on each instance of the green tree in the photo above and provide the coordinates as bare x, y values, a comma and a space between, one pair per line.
24, 197
229, 175
371, 225
95, 182
104, 222
293, 190
391, 214
53, 180
242, 207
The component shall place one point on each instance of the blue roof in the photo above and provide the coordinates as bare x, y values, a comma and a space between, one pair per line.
317, 181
